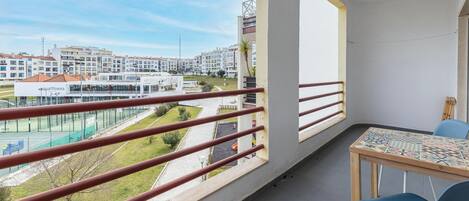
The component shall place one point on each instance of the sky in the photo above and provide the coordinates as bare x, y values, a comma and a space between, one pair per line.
127, 27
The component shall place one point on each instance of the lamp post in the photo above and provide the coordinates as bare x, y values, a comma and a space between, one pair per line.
203, 160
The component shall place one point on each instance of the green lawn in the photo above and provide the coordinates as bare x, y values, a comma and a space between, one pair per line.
6, 92
229, 84
230, 120
133, 152
217, 171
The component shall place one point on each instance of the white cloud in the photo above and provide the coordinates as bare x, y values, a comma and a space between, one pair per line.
89, 40
212, 29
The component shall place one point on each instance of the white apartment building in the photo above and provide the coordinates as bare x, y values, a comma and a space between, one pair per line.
18, 67
142, 64
91, 61
169, 65
83, 60
118, 64
226, 59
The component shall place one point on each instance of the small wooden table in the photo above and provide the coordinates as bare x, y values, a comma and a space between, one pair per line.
431, 155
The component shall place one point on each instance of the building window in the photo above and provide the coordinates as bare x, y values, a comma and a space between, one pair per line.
3, 68
12, 62
12, 74
21, 74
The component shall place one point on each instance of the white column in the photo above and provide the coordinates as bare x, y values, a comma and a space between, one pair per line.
244, 122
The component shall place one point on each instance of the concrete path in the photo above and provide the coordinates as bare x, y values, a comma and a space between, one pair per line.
194, 136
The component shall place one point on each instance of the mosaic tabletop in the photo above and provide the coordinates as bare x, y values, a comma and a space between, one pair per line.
434, 149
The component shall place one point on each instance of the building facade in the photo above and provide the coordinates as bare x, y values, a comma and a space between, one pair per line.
18, 67
221, 59
91, 61
83, 60
105, 86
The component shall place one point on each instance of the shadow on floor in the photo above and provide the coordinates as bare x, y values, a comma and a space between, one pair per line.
324, 176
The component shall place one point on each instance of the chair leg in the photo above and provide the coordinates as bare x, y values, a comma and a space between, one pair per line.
379, 177
433, 188
404, 185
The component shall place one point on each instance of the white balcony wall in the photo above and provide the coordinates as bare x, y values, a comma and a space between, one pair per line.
402, 61
319, 55
401, 64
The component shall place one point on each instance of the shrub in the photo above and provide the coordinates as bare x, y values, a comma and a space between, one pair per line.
207, 88
202, 83
161, 110
150, 139
181, 110
184, 116
221, 73
171, 139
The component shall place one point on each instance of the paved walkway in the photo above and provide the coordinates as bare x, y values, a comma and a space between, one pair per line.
194, 136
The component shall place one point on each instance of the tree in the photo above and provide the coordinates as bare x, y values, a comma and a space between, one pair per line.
184, 116
221, 73
244, 48
209, 73
161, 110
74, 169
171, 139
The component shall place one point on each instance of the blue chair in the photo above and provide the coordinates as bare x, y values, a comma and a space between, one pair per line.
457, 192
447, 128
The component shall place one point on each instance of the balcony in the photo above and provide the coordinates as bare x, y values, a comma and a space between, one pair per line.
401, 63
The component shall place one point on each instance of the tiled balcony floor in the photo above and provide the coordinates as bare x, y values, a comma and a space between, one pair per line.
324, 176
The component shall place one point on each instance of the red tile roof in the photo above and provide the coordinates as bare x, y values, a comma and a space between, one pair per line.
63, 78
36, 78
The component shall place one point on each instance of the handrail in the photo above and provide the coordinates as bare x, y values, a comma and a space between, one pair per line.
22, 158
319, 96
27, 112
121, 172
320, 84
320, 108
168, 186
17, 159
319, 120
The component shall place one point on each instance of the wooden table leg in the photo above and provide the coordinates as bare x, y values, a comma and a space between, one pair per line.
374, 180
355, 176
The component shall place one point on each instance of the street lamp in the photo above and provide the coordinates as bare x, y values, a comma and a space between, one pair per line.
203, 160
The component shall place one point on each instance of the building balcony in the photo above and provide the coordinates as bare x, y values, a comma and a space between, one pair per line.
397, 62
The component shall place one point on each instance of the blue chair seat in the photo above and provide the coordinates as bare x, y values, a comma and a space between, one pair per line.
401, 197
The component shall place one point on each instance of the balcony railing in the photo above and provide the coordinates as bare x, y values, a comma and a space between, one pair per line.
340, 102
55, 193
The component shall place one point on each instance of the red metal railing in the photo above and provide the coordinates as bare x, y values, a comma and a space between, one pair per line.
315, 97
17, 159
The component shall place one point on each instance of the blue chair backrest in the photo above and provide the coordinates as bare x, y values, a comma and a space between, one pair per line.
453, 129
457, 192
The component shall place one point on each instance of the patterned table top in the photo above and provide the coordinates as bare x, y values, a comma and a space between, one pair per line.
434, 149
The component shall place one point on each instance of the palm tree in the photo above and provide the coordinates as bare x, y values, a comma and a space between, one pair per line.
244, 48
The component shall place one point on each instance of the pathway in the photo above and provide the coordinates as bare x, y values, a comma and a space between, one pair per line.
194, 136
